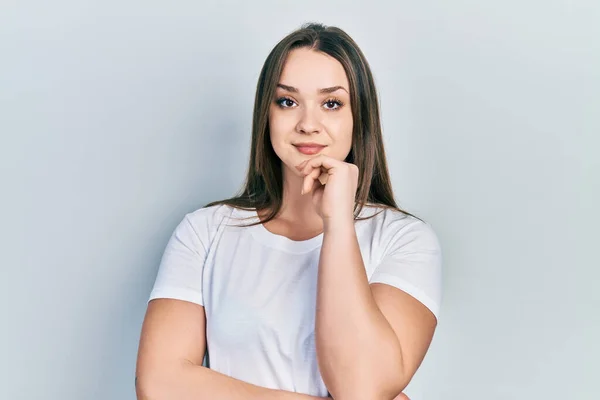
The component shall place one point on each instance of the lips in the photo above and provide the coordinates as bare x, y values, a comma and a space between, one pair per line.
309, 148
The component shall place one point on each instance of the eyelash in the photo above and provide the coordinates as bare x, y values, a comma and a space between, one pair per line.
337, 101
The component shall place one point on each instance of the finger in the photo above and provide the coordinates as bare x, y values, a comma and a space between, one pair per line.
309, 180
323, 178
321, 161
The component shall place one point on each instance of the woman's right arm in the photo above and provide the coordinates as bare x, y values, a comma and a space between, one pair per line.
170, 355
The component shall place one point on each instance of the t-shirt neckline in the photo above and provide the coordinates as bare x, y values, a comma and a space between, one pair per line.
268, 238
265, 236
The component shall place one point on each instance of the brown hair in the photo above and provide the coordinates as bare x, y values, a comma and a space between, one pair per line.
263, 188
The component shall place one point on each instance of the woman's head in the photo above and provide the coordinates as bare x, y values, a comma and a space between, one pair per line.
288, 110
311, 105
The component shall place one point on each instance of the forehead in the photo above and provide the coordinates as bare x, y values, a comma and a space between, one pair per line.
309, 70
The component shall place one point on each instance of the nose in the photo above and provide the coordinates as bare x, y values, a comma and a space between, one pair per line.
309, 122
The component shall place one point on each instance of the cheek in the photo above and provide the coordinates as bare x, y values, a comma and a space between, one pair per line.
278, 123
278, 133
343, 136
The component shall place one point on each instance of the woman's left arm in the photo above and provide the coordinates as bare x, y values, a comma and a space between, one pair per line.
370, 339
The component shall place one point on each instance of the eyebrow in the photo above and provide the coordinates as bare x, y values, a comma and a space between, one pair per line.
324, 90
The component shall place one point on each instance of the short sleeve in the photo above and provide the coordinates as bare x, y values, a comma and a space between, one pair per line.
413, 264
180, 272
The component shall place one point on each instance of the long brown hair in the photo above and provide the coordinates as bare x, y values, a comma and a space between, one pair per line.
263, 188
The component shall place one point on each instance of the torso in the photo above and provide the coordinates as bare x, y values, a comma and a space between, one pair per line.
259, 293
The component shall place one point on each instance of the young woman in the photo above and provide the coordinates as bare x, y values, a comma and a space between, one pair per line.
311, 281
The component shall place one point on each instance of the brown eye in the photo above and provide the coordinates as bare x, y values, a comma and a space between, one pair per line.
333, 104
285, 102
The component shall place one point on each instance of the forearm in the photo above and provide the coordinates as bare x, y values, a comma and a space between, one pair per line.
193, 382
358, 352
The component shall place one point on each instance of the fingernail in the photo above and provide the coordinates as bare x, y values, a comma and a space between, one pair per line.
302, 191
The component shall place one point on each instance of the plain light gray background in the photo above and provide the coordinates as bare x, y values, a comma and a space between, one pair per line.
116, 118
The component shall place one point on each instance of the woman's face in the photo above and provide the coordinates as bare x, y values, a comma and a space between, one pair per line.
312, 106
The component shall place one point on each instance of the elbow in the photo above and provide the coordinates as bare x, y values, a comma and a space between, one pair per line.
395, 378
373, 387
150, 386
382, 374
383, 390
389, 390
156, 384
168, 382
367, 393
386, 385
392, 387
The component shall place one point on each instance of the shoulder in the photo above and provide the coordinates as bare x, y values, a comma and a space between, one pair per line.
393, 229
408, 256
210, 215
205, 221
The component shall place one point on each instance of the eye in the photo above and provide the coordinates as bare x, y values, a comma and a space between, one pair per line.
330, 105
285, 102
333, 104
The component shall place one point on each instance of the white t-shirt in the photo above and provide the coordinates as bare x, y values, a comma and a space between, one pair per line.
258, 289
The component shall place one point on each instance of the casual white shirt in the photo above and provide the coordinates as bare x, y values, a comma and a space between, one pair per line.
258, 289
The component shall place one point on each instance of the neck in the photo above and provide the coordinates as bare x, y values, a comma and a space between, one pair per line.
297, 208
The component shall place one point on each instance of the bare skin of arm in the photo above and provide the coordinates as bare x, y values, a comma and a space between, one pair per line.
170, 355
